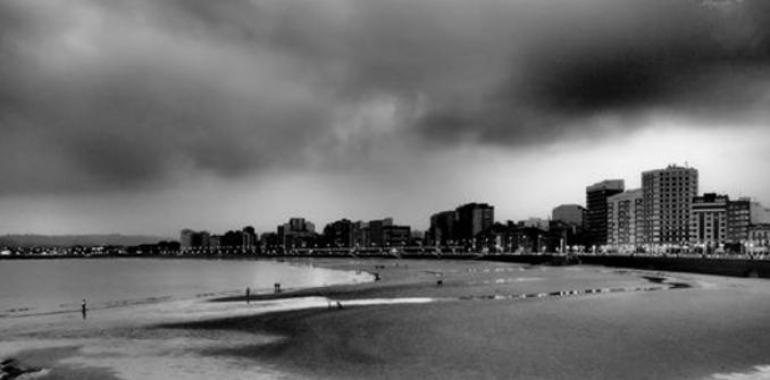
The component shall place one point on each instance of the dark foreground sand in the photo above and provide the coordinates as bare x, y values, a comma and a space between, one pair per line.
487, 320
717, 328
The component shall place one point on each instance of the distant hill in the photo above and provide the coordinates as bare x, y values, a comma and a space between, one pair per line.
72, 240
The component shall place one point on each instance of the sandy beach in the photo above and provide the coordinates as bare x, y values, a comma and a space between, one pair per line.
485, 320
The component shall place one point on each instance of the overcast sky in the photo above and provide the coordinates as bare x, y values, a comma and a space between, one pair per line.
147, 116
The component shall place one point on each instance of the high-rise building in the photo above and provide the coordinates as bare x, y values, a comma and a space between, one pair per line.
380, 233
339, 233
360, 231
185, 238
708, 221
298, 232
215, 241
250, 238
200, 239
624, 220
596, 205
443, 228
300, 225
668, 194
193, 239
738, 220
572, 214
376, 235
231, 240
473, 218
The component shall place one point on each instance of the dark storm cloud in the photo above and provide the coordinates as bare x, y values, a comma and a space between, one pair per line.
98, 97
623, 59
111, 95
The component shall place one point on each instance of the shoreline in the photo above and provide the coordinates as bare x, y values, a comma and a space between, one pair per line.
721, 265
21, 304
64, 345
475, 324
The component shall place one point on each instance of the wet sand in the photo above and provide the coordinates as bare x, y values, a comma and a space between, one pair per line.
487, 320
644, 325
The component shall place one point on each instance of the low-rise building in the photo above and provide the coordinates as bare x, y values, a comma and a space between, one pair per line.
709, 221
534, 222
759, 238
396, 235
759, 213
572, 213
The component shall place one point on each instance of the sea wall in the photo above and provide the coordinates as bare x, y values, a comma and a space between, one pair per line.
718, 266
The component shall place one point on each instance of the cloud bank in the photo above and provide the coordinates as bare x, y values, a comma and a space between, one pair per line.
101, 96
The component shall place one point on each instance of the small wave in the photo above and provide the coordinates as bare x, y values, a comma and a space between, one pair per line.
499, 281
564, 293
387, 301
760, 372
34, 375
17, 310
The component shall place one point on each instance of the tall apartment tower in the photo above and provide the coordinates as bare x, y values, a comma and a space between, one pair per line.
473, 218
442, 227
596, 204
339, 233
738, 220
186, 238
668, 195
376, 228
624, 220
708, 220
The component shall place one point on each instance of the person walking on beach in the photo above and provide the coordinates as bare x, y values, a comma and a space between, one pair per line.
248, 295
83, 308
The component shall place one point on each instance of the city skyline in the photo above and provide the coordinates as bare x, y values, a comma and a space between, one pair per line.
666, 213
145, 117
422, 224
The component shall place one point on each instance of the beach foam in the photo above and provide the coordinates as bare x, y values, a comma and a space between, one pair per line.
760, 372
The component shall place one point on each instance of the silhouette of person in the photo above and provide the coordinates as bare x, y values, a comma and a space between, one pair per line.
248, 295
84, 308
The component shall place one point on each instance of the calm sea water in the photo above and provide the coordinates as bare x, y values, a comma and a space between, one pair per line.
43, 286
